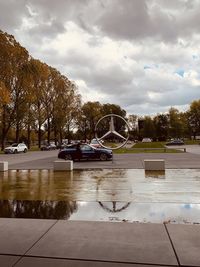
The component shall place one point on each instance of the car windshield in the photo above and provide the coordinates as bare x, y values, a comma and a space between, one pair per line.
14, 145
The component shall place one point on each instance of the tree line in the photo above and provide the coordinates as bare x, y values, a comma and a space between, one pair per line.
38, 103
173, 124
34, 96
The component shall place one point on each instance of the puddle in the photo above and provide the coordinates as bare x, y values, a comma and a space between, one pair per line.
102, 211
102, 195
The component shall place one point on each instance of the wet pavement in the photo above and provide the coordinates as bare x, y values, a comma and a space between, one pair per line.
120, 195
170, 186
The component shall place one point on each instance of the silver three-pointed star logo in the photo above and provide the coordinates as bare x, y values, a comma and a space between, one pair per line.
112, 131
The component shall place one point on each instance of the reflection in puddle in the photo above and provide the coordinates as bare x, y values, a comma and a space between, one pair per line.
138, 212
102, 211
117, 195
37, 209
115, 206
155, 174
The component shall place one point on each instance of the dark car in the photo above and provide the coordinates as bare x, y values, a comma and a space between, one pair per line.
84, 151
175, 143
48, 147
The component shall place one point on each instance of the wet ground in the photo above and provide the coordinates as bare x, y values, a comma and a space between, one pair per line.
131, 195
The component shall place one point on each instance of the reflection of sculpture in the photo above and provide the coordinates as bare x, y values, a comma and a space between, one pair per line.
37, 209
114, 206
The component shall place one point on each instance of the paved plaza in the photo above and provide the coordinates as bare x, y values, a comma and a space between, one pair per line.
45, 159
26, 242
39, 242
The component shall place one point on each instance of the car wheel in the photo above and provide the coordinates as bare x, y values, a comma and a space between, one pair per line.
25, 150
15, 151
103, 156
68, 157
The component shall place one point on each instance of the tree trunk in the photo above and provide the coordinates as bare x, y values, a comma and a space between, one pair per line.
17, 132
4, 129
61, 137
39, 135
48, 130
55, 135
3, 139
28, 136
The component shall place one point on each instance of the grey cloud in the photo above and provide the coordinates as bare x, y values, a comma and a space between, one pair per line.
180, 97
113, 77
136, 19
160, 33
62, 9
125, 20
12, 14
47, 30
47, 17
128, 20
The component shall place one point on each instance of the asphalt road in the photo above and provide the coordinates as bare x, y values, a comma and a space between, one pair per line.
45, 159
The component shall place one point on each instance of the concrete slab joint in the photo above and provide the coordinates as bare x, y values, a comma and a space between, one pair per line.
3, 166
154, 164
63, 165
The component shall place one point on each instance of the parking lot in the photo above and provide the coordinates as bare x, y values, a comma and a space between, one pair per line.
45, 159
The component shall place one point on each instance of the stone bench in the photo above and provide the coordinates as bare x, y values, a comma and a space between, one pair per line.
154, 164
63, 165
3, 166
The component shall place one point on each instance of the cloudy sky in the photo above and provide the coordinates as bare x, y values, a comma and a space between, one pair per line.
141, 54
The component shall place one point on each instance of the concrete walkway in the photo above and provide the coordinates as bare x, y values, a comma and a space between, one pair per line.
51, 243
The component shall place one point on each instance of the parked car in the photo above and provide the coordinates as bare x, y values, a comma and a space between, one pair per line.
94, 143
61, 145
48, 147
16, 148
146, 140
84, 151
177, 142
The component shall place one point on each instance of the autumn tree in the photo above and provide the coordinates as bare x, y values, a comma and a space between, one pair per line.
4, 102
175, 124
39, 97
66, 107
194, 118
148, 128
73, 108
161, 124
133, 124
12, 59
92, 111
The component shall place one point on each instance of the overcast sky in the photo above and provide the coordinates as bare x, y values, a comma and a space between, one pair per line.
141, 54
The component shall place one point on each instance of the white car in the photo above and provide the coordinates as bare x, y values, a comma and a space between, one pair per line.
94, 143
16, 148
146, 140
